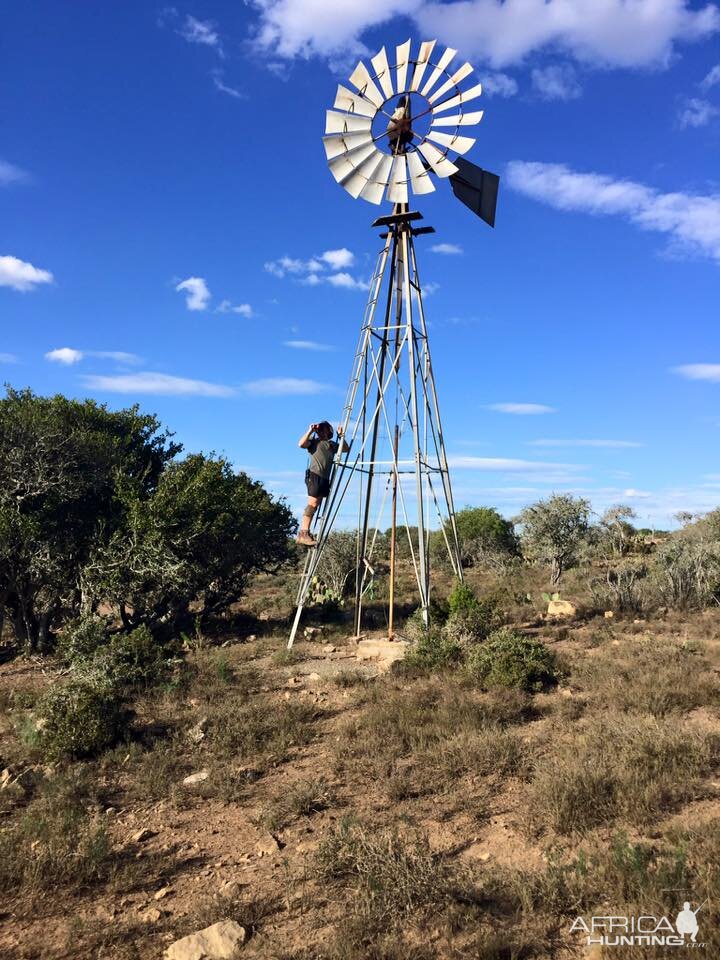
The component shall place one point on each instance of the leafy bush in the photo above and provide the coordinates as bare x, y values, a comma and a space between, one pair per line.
507, 659
131, 660
470, 619
686, 572
434, 650
81, 639
553, 531
79, 718
486, 537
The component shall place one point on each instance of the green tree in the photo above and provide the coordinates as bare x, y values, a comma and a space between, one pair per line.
60, 461
485, 536
554, 530
198, 537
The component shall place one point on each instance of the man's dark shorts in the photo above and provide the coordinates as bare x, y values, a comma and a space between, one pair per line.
317, 486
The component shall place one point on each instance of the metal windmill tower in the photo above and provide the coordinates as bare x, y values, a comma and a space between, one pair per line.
386, 139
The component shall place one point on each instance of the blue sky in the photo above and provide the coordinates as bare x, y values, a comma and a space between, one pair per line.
163, 191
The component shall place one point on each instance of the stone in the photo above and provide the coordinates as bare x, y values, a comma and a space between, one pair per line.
386, 652
310, 632
562, 609
294, 682
196, 778
608, 614
328, 648
152, 915
267, 846
197, 733
162, 893
252, 638
5, 778
145, 833
218, 942
314, 677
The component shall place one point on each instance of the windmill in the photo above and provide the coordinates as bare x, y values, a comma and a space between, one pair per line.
385, 139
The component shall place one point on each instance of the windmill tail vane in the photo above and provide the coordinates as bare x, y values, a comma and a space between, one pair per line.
388, 136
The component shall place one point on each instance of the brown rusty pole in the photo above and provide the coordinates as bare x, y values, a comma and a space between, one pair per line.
393, 533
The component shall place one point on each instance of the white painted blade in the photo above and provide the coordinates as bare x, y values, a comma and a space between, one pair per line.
398, 188
403, 58
426, 49
420, 179
382, 69
463, 97
365, 172
362, 81
353, 103
375, 189
438, 161
340, 143
442, 64
347, 163
451, 141
464, 71
336, 122
458, 120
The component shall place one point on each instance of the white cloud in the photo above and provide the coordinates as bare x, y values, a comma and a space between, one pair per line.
429, 288
611, 444
225, 88
308, 345
499, 32
632, 494
64, 355
337, 259
8, 358
556, 82
498, 85
711, 79
603, 32
699, 371
21, 275
197, 294
285, 387
695, 112
313, 272
200, 31
523, 409
244, 309
158, 384
9, 173
449, 248
692, 221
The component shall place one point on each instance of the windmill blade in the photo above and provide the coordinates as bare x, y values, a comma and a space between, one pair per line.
463, 97
398, 188
454, 81
353, 103
420, 180
458, 119
365, 172
477, 189
336, 122
362, 81
402, 53
426, 49
347, 163
451, 141
382, 69
337, 144
375, 189
439, 163
442, 63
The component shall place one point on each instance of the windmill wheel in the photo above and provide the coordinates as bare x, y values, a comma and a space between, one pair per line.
390, 135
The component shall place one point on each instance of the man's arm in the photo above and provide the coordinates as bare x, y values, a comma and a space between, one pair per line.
304, 440
345, 444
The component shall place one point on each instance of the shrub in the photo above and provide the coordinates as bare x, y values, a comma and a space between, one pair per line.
136, 659
554, 531
434, 650
686, 572
469, 619
81, 638
79, 718
508, 659
486, 537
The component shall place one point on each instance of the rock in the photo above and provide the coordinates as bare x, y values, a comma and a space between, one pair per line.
562, 609
294, 682
145, 833
263, 615
218, 942
252, 638
386, 652
196, 778
310, 632
197, 733
5, 778
608, 614
152, 915
162, 893
328, 648
314, 677
267, 846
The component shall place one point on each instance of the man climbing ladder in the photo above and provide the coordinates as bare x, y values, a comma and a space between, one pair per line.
319, 443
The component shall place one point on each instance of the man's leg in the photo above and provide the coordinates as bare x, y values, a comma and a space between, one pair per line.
309, 512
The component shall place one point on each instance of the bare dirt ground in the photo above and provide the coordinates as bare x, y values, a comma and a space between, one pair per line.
483, 801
